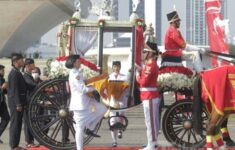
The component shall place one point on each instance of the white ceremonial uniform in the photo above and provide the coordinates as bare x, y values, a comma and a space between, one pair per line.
87, 111
122, 102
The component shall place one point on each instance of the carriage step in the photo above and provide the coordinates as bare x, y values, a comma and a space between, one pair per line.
117, 126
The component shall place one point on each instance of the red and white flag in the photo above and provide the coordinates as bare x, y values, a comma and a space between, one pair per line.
217, 30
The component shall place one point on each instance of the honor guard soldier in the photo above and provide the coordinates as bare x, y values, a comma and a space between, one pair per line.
149, 95
176, 47
16, 100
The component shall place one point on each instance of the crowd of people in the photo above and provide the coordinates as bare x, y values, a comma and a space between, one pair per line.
23, 78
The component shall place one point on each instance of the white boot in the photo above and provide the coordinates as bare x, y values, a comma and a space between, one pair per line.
223, 147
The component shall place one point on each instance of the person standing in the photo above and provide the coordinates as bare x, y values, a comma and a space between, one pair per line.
87, 111
4, 114
29, 66
149, 95
176, 47
122, 101
36, 73
16, 100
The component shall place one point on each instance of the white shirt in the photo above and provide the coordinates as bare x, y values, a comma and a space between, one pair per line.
79, 99
115, 76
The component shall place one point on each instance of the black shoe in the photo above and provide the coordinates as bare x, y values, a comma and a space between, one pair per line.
1, 142
114, 144
229, 142
91, 133
120, 134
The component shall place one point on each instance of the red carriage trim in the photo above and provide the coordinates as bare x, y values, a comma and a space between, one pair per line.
83, 61
177, 69
70, 39
89, 64
62, 58
139, 44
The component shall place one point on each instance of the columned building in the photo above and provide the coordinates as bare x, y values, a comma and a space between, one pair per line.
196, 28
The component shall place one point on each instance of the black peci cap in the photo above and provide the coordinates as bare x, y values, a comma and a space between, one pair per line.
16, 56
28, 61
151, 46
71, 60
173, 16
116, 63
2, 67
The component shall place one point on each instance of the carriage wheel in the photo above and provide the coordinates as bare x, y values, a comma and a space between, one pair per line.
50, 120
178, 128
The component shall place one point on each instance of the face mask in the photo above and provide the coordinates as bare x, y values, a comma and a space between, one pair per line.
35, 75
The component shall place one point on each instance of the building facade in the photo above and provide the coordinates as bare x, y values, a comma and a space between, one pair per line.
196, 28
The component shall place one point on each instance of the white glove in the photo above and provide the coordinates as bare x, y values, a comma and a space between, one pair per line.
202, 50
192, 47
137, 73
137, 67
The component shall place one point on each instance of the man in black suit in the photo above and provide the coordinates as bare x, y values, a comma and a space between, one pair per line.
16, 100
4, 114
31, 85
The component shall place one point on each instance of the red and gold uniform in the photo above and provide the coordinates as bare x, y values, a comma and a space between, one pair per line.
147, 81
176, 47
149, 96
174, 42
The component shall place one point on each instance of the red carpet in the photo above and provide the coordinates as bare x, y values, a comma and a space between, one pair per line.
107, 148
121, 148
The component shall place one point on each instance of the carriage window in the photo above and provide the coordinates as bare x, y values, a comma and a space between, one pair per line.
117, 47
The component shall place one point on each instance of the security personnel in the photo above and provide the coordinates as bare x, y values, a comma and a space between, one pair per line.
87, 112
4, 114
31, 85
16, 100
176, 47
122, 102
149, 95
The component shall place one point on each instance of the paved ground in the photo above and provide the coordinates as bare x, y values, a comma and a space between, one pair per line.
134, 136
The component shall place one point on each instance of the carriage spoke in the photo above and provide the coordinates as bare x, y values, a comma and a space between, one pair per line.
56, 130
55, 93
71, 127
189, 135
43, 117
194, 136
182, 136
178, 130
46, 106
53, 102
44, 128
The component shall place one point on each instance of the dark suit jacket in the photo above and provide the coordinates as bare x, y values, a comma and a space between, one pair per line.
17, 88
30, 84
2, 92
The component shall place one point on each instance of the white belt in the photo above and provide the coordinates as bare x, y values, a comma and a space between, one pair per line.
148, 89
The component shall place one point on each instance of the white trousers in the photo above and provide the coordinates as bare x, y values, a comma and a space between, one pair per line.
195, 57
122, 102
87, 118
152, 122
